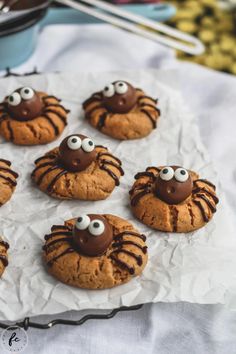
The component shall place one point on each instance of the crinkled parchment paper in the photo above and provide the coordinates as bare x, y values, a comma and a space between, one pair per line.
197, 267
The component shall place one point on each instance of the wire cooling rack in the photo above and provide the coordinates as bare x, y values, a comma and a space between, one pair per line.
27, 323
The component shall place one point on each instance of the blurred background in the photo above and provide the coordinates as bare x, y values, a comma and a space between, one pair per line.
214, 23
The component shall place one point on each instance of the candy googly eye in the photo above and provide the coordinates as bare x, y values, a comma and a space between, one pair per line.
121, 87
74, 143
14, 99
96, 227
82, 222
109, 91
167, 173
181, 175
88, 145
27, 93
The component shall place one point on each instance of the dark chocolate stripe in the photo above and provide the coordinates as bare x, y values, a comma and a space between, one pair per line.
135, 199
3, 117
6, 162
174, 216
112, 174
150, 98
144, 174
53, 242
138, 258
101, 146
110, 155
92, 110
57, 233
48, 163
59, 115
63, 227
67, 251
139, 187
50, 120
206, 191
44, 157
55, 179
4, 260
8, 170
102, 121
4, 244
126, 242
198, 203
108, 162
148, 114
8, 179
122, 264
190, 211
206, 182
57, 105
207, 201
130, 233
11, 134
153, 168
151, 106
39, 181
51, 96
94, 98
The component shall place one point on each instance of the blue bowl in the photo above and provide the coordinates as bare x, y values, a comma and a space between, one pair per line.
18, 39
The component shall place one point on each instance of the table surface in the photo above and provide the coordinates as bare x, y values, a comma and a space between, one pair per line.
159, 328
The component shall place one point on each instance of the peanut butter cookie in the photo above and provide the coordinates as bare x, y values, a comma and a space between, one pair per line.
7, 181
173, 199
3, 255
95, 251
28, 117
122, 111
78, 170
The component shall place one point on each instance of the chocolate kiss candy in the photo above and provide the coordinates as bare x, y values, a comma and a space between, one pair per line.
92, 235
119, 97
173, 184
24, 104
77, 152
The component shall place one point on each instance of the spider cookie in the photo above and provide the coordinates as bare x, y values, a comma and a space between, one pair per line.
78, 169
7, 181
122, 111
3, 255
95, 251
28, 117
172, 199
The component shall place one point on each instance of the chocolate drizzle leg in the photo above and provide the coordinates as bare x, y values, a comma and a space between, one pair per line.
204, 215
50, 156
57, 233
206, 182
130, 233
112, 174
122, 264
4, 260
51, 121
67, 251
136, 198
102, 120
55, 179
148, 114
6, 162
